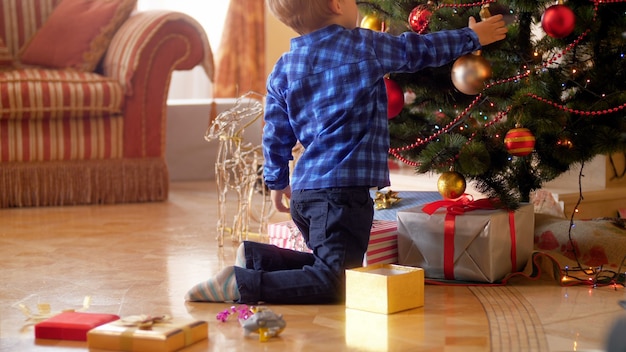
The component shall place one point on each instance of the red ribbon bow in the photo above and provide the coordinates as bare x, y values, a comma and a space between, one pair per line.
460, 206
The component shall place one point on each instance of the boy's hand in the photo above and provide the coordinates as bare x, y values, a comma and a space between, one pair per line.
277, 199
489, 30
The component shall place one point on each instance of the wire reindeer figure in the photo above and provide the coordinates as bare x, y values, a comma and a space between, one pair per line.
237, 166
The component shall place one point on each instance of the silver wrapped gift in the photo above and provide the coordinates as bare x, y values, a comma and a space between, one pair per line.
478, 245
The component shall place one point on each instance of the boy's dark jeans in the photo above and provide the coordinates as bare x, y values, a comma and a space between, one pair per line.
336, 225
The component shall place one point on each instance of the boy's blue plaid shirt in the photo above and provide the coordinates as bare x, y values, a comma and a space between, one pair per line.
328, 92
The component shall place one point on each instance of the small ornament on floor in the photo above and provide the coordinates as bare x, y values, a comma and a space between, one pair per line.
259, 320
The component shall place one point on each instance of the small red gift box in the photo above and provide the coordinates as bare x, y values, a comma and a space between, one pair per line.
71, 325
382, 248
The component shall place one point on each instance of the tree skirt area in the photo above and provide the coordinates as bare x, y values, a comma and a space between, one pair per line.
578, 252
570, 252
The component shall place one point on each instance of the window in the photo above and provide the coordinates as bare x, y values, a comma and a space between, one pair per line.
211, 15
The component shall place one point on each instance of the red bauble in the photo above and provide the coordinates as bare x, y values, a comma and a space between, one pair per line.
419, 18
558, 21
519, 141
395, 98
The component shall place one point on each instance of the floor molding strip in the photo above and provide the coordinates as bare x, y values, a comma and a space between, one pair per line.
514, 324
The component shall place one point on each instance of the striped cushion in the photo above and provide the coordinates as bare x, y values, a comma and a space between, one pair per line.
61, 139
76, 34
20, 20
6, 58
48, 115
56, 94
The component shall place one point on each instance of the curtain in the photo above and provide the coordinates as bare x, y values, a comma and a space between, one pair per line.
240, 59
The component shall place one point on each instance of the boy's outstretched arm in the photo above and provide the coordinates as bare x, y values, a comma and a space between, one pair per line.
489, 30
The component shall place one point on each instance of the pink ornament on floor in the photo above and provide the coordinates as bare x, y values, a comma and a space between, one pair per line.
243, 312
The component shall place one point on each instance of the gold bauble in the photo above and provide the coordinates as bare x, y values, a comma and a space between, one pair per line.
451, 185
470, 72
373, 22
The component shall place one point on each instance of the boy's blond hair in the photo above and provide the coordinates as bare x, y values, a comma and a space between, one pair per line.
303, 16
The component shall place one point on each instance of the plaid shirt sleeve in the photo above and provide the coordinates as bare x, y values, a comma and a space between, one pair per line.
278, 141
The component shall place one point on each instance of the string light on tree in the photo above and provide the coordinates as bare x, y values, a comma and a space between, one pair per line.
565, 142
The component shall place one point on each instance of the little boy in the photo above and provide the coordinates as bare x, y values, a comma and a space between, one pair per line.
328, 93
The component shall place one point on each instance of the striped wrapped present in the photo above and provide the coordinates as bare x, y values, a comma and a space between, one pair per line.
383, 245
286, 235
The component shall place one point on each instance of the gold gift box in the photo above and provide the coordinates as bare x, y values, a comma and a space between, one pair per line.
384, 288
168, 336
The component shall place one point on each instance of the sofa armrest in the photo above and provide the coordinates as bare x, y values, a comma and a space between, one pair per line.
146, 34
142, 56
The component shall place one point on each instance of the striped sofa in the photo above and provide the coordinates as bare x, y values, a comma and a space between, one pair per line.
70, 137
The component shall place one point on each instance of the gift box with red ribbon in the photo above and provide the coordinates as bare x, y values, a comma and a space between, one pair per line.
147, 334
382, 248
465, 239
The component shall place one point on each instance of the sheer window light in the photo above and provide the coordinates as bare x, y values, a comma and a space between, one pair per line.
193, 84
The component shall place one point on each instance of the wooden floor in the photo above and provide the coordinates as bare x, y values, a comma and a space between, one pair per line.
142, 258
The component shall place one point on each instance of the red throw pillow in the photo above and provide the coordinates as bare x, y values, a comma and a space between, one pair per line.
76, 34
6, 58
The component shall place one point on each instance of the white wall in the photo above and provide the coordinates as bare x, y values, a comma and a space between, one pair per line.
277, 37
188, 155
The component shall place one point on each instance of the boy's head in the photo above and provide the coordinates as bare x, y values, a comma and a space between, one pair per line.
305, 16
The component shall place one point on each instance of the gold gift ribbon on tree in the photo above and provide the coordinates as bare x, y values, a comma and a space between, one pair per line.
386, 200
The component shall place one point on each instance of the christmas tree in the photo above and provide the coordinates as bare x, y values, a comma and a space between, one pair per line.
521, 111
